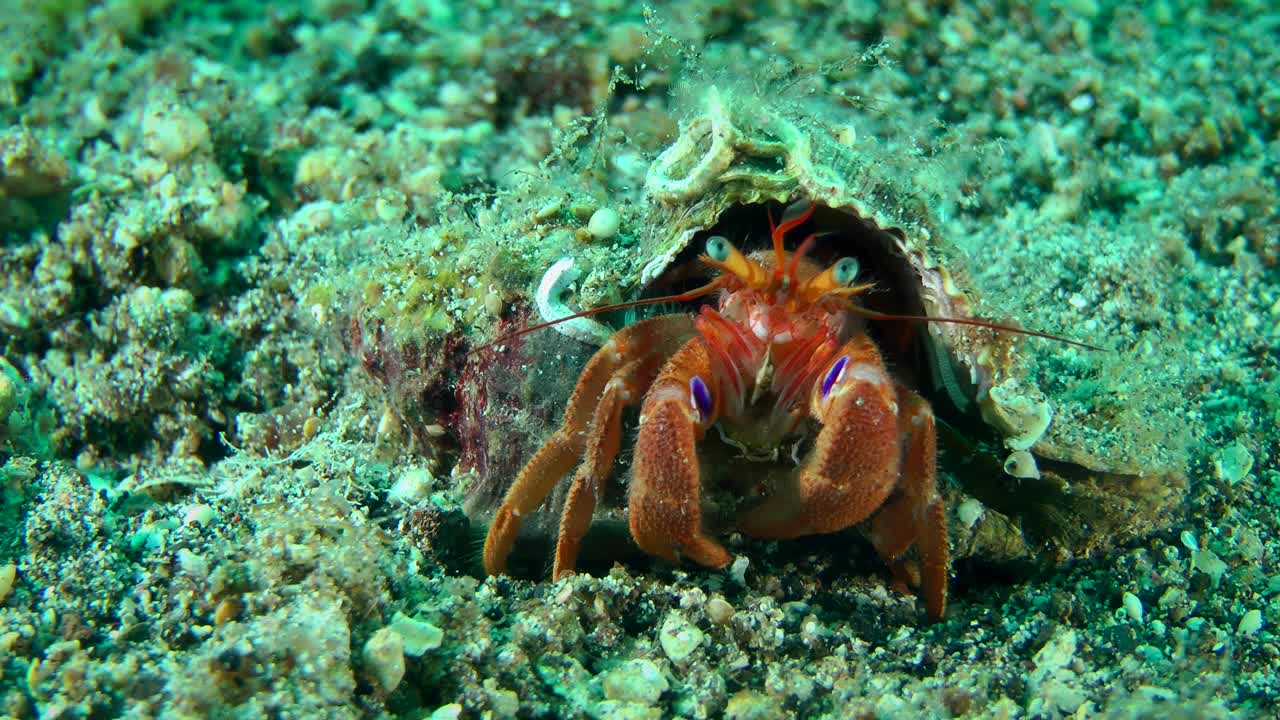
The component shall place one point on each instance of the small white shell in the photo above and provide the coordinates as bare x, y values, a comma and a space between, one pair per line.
558, 279
1022, 464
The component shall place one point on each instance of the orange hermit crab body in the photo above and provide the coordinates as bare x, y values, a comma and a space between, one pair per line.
785, 348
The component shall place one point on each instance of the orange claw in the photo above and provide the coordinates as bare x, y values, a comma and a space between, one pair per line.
855, 461
665, 498
870, 455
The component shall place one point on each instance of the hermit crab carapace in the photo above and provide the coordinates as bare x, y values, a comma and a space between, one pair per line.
781, 361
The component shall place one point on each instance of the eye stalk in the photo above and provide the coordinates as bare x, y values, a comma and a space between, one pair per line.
723, 256
839, 280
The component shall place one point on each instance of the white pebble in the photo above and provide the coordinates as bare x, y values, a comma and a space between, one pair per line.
172, 132
603, 223
197, 514
1232, 463
548, 210
1250, 623
678, 637
452, 711
8, 573
1132, 606
412, 487
635, 681
1210, 564
969, 512
719, 611
738, 570
193, 565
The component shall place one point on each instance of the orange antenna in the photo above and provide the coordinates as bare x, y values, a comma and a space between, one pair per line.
800, 252
693, 294
873, 315
778, 233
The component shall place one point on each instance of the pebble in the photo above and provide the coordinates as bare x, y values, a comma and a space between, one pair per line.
452, 711
548, 210
412, 487
383, 654
1233, 463
172, 132
969, 512
1208, 562
636, 681
8, 397
678, 637
417, 636
1021, 464
8, 573
1250, 623
1132, 606
197, 514
603, 223
719, 611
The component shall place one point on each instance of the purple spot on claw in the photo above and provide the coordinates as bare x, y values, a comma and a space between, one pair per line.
700, 396
834, 374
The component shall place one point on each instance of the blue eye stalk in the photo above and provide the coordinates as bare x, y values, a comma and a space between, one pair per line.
834, 375
700, 398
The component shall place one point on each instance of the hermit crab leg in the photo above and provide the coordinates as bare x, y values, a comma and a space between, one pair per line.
916, 515
602, 443
614, 377
665, 501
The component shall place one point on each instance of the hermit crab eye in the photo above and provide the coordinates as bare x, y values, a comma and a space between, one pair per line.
718, 248
845, 271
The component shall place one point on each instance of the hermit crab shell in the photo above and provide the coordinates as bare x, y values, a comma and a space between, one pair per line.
1024, 492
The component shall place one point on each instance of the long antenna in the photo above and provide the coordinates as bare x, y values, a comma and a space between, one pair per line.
873, 315
694, 294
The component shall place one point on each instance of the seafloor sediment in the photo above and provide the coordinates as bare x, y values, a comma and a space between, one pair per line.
248, 441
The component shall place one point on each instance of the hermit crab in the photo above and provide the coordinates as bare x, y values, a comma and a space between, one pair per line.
790, 398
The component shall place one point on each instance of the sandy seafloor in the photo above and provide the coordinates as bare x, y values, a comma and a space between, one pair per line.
244, 251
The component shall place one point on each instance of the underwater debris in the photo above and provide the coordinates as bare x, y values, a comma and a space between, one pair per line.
558, 280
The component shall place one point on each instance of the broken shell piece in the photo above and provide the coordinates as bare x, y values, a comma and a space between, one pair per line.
1022, 414
556, 282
